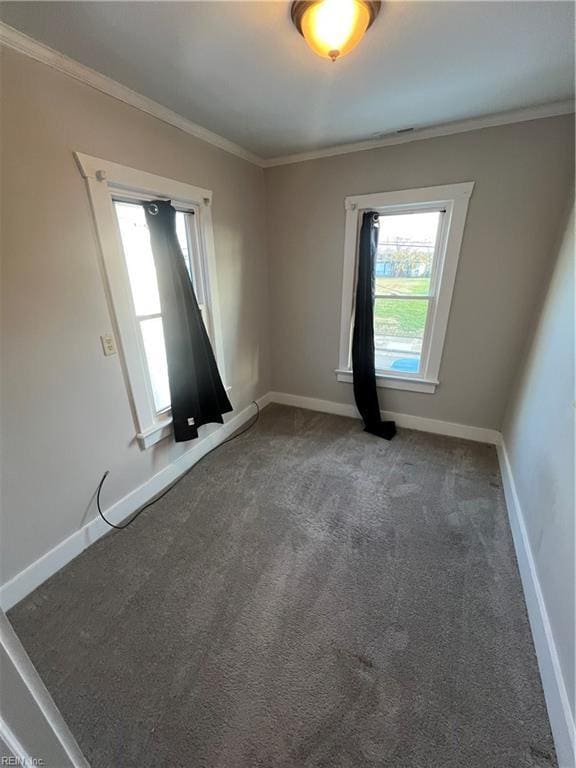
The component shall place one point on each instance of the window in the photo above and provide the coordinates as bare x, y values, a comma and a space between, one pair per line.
116, 194
144, 287
420, 232
404, 288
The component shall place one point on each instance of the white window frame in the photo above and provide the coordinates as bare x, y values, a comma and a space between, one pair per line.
107, 181
453, 199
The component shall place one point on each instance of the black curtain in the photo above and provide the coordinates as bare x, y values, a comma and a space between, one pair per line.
365, 392
196, 390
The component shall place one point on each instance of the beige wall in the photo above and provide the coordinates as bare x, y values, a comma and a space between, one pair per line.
65, 411
522, 174
65, 415
539, 438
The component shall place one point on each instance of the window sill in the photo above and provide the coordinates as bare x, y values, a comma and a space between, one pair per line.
159, 430
388, 381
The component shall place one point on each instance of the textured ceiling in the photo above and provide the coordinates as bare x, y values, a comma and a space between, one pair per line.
241, 70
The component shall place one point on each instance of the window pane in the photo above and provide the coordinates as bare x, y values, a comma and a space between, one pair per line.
153, 336
183, 238
139, 258
406, 245
398, 332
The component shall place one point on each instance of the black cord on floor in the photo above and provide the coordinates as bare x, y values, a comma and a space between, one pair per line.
166, 490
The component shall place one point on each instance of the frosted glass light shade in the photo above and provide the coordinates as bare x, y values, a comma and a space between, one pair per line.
332, 28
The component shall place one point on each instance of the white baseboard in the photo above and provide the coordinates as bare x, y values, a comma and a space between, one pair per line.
555, 693
37, 572
48, 564
36, 722
314, 404
451, 429
17, 751
559, 712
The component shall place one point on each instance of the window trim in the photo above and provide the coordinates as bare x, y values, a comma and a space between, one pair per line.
107, 180
454, 199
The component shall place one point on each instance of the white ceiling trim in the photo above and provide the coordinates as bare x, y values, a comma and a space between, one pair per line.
22, 43
18, 41
553, 109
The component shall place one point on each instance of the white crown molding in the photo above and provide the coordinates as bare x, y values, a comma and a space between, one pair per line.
553, 109
18, 41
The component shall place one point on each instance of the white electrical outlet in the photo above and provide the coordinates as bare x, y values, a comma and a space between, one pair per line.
108, 344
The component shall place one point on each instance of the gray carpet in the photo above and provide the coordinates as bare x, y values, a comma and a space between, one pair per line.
309, 595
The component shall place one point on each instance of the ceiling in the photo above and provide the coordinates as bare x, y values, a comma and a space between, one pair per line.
241, 70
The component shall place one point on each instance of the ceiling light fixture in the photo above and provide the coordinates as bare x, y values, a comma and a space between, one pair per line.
332, 28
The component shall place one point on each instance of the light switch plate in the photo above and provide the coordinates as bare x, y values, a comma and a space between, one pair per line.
108, 344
